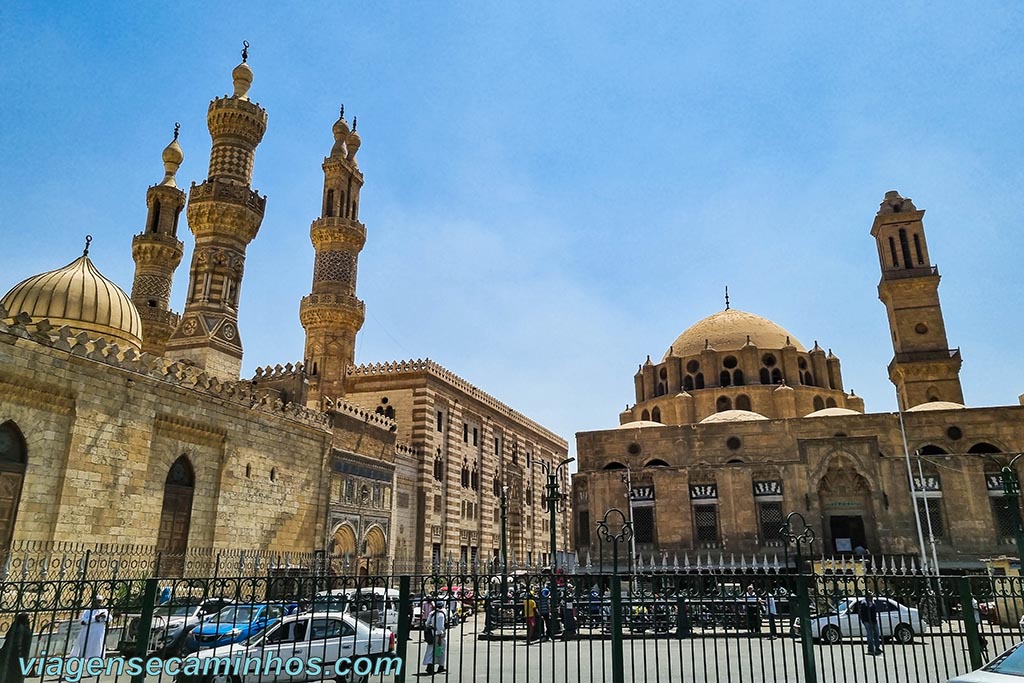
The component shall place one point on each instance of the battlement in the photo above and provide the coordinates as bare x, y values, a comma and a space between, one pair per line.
178, 373
341, 406
442, 373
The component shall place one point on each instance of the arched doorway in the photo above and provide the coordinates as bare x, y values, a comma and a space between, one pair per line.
847, 512
176, 516
13, 457
343, 549
375, 553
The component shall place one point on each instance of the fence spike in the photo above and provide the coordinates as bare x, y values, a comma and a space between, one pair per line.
589, 563
778, 567
903, 565
721, 561
743, 563
675, 561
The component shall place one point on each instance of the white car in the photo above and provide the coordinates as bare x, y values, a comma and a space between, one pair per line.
896, 621
328, 636
1006, 668
375, 605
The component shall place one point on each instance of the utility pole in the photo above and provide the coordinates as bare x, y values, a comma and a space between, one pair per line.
927, 512
910, 478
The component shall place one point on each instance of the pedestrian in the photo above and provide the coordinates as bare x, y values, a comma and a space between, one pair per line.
569, 613
488, 612
753, 610
437, 647
544, 631
90, 641
771, 609
16, 649
530, 614
426, 609
867, 611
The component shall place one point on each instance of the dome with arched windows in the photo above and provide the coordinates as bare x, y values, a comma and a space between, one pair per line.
729, 330
78, 296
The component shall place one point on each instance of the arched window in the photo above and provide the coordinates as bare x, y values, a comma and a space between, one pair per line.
698, 380
983, 447
176, 516
765, 376
656, 415
13, 457
807, 379
645, 415
688, 383
614, 466
723, 403
931, 450
389, 412
329, 208
905, 249
819, 404
737, 377
917, 248
724, 378
657, 463
155, 226
776, 376
660, 391
742, 402
830, 402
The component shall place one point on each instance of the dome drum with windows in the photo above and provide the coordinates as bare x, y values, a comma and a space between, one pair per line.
741, 362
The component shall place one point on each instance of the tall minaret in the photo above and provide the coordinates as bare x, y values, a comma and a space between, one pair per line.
224, 214
157, 252
923, 368
331, 314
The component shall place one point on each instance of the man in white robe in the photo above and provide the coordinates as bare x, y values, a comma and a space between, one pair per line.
91, 639
437, 651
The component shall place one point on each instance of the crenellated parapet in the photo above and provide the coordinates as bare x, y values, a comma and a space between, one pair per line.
177, 373
425, 365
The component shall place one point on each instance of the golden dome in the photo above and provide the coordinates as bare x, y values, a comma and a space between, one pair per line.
728, 331
78, 296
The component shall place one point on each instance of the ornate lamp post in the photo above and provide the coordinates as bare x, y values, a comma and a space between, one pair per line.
1011, 490
504, 532
624, 534
796, 530
553, 497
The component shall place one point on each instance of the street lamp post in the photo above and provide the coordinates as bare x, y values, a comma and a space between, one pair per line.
1011, 489
504, 532
554, 496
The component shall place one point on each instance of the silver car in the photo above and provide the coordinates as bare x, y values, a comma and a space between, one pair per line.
896, 621
1006, 668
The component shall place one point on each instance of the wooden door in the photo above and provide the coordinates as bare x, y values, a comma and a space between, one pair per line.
175, 518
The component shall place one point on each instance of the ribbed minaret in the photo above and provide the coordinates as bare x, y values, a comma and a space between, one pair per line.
224, 214
331, 314
157, 252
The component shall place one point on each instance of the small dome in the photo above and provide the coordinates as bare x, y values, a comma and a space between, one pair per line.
832, 412
728, 331
172, 158
242, 76
640, 423
733, 416
936, 405
78, 296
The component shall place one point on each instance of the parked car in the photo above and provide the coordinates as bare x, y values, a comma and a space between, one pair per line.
379, 607
327, 636
896, 621
235, 624
1006, 668
171, 623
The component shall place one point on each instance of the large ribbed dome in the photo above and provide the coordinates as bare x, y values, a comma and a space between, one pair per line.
78, 296
728, 331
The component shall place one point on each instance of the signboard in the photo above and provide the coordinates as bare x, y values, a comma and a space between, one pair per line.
844, 545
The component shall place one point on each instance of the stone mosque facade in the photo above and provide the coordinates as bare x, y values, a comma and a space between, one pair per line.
739, 424
124, 425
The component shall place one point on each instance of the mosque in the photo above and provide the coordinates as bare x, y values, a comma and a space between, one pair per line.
739, 425
126, 428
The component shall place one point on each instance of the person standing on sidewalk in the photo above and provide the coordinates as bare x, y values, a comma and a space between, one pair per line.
530, 615
772, 611
544, 630
867, 611
569, 613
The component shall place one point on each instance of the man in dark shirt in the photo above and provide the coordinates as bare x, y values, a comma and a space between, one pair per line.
867, 611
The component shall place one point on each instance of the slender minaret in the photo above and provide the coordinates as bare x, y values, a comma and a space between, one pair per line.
923, 367
224, 214
157, 252
331, 314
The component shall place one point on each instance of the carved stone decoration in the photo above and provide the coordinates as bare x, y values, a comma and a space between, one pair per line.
843, 480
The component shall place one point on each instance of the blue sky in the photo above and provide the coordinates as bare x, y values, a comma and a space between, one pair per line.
553, 190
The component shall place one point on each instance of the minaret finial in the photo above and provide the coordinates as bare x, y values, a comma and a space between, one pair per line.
245, 51
355, 122
343, 111
88, 241
177, 128
727, 297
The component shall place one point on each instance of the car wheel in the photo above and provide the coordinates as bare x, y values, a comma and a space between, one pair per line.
831, 635
903, 634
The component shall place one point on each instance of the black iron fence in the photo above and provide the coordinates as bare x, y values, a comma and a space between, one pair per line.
710, 624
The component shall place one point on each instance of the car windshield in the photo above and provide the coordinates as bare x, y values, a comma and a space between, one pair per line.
237, 614
1010, 663
173, 610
